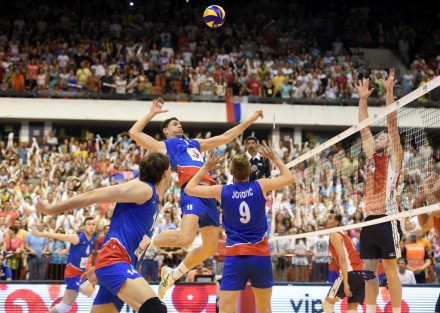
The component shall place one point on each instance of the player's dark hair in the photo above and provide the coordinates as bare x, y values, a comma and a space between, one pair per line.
88, 219
240, 167
337, 215
153, 166
251, 138
166, 123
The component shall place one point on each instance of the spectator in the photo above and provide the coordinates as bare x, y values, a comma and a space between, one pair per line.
417, 257
37, 248
406, 276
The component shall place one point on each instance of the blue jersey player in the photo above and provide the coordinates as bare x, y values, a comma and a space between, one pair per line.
133, 220
186, 158
79, 254
247, 254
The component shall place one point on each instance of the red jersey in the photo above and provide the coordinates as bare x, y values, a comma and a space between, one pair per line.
354, 262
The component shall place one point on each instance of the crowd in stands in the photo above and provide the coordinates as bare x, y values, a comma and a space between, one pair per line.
57, 168
130, 50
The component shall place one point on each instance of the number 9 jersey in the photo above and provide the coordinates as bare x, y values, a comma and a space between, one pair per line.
244, 219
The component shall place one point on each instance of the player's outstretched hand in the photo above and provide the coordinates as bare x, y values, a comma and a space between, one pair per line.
362, 88
214, 160
41, 206
157, 106
257, 114
389, 83
265, 150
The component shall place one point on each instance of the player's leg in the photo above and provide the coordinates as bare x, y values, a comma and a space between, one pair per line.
228, 299
261, 277
370, 274
195, 256
332, 296
179, 238
139, 295
205, 213
394, 284
262, 299
235, 276
104, 308
66, 304
390, 253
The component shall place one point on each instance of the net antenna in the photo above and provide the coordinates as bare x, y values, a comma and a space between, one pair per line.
417, 124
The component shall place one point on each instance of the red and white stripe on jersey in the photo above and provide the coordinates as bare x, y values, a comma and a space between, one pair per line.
352, 258
111, 252
185, 173
260, 248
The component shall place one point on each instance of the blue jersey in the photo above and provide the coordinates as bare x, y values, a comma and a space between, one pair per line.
130, 231
244, 219
79, 256
186, 159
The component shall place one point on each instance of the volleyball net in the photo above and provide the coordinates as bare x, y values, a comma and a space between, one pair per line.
377, 167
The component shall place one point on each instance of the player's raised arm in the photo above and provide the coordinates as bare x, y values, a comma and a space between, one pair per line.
194, 189
367, 137
396, 150
286, 177
229, 135
133, 191
136, 131
72, 238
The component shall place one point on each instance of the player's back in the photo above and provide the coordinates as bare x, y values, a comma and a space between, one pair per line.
244, 219
131, 223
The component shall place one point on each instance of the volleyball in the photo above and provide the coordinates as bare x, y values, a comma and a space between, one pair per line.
214, 16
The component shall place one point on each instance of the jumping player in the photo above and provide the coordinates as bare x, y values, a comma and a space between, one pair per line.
384, 162
79, 253
244, 218
128, 237
186, 158
429, 193
350, 283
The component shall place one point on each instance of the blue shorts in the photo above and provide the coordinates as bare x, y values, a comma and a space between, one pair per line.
110, 280
73, 283
205, 209
239, 269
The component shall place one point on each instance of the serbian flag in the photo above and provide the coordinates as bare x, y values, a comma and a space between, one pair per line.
123, 175
236, 108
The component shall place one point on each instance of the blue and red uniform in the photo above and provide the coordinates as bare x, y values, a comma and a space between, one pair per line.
247, 247
128, 237
78, 259
186, 159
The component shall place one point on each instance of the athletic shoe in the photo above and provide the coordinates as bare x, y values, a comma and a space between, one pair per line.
166, 281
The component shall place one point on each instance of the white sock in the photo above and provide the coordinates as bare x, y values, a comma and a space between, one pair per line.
371, 308
179, 271
396, 310
152, 241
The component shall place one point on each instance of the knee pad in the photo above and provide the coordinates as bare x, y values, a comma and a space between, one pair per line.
153, 305
369, 271
62, 307
327, 307
93, 295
